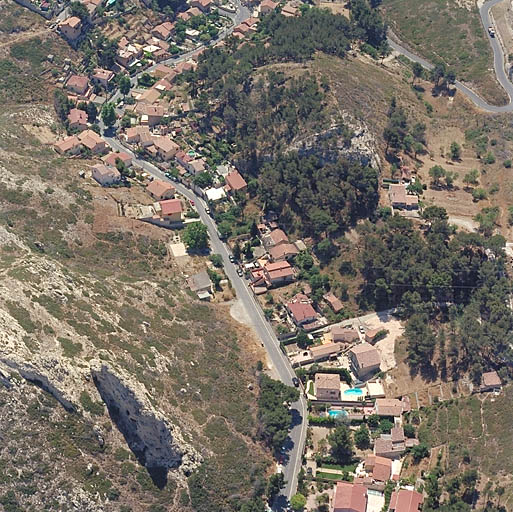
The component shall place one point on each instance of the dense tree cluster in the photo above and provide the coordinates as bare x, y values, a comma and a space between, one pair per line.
325, 196
457, 278
275, 418
399, 135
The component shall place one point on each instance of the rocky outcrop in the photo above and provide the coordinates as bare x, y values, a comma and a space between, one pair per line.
351, 140
38, 377
156, 443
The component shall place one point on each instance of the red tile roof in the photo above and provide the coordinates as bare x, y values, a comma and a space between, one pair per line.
235, 181
380, 467
77, 82
158, 188
491, 379
77, 116
171, 206
405, 501
111, 158
301, 311
350, 498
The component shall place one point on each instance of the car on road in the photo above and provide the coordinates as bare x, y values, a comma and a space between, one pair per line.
207, 210
491, 31
239, 272
295, 381
192, 202
232, 259
361, 328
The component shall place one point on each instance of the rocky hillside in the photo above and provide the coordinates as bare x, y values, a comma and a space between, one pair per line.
118, 389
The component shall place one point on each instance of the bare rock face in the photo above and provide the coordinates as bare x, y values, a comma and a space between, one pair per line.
39, 377
156, 443
351, 140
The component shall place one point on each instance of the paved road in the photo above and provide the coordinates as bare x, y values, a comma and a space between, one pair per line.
498, 62
297, 437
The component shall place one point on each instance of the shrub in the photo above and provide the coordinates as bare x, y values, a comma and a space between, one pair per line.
507, 164
95, 408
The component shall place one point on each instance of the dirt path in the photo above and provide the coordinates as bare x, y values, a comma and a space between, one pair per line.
24, 37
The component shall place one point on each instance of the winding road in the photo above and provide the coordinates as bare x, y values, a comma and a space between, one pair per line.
295, 442
297, 437
263, 329
498, 63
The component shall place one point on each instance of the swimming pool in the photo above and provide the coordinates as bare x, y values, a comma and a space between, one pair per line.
353, 392
335, 413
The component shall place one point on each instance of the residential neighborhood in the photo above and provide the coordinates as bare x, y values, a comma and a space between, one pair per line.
133, 122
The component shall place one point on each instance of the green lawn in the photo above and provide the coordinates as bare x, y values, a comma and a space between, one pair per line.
443, 30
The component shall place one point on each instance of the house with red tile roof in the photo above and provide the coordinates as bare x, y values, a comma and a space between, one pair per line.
490, 381
388, 407
161, 71
183, 158
365, 360
327, 386
71, 28
276, 274
77, 119
274, 238
112, 158
405, 500
267, 6
334, 302
161, 190
302, 312
69, 145
203, 5
350, 497
102, 77
166, 148
283, 252
150, 114
92, 141
78, 84
106, 176
164, 30
343, 334
197, 166
379, 468
171, 210
235, 182
399, 197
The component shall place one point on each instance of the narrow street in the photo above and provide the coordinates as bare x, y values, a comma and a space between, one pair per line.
296, 441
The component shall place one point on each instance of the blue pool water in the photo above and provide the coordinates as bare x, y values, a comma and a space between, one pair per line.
335, 413
353, 391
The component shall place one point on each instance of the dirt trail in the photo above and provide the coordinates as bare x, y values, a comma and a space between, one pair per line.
24, 37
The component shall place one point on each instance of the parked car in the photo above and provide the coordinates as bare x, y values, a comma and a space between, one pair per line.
207, 210
232, 259
361, 328
239, 272
295, 381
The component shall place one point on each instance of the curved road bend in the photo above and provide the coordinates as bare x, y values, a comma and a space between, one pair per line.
297, 436
498, 63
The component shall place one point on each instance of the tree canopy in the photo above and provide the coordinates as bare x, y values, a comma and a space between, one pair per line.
275, 418
195, 236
